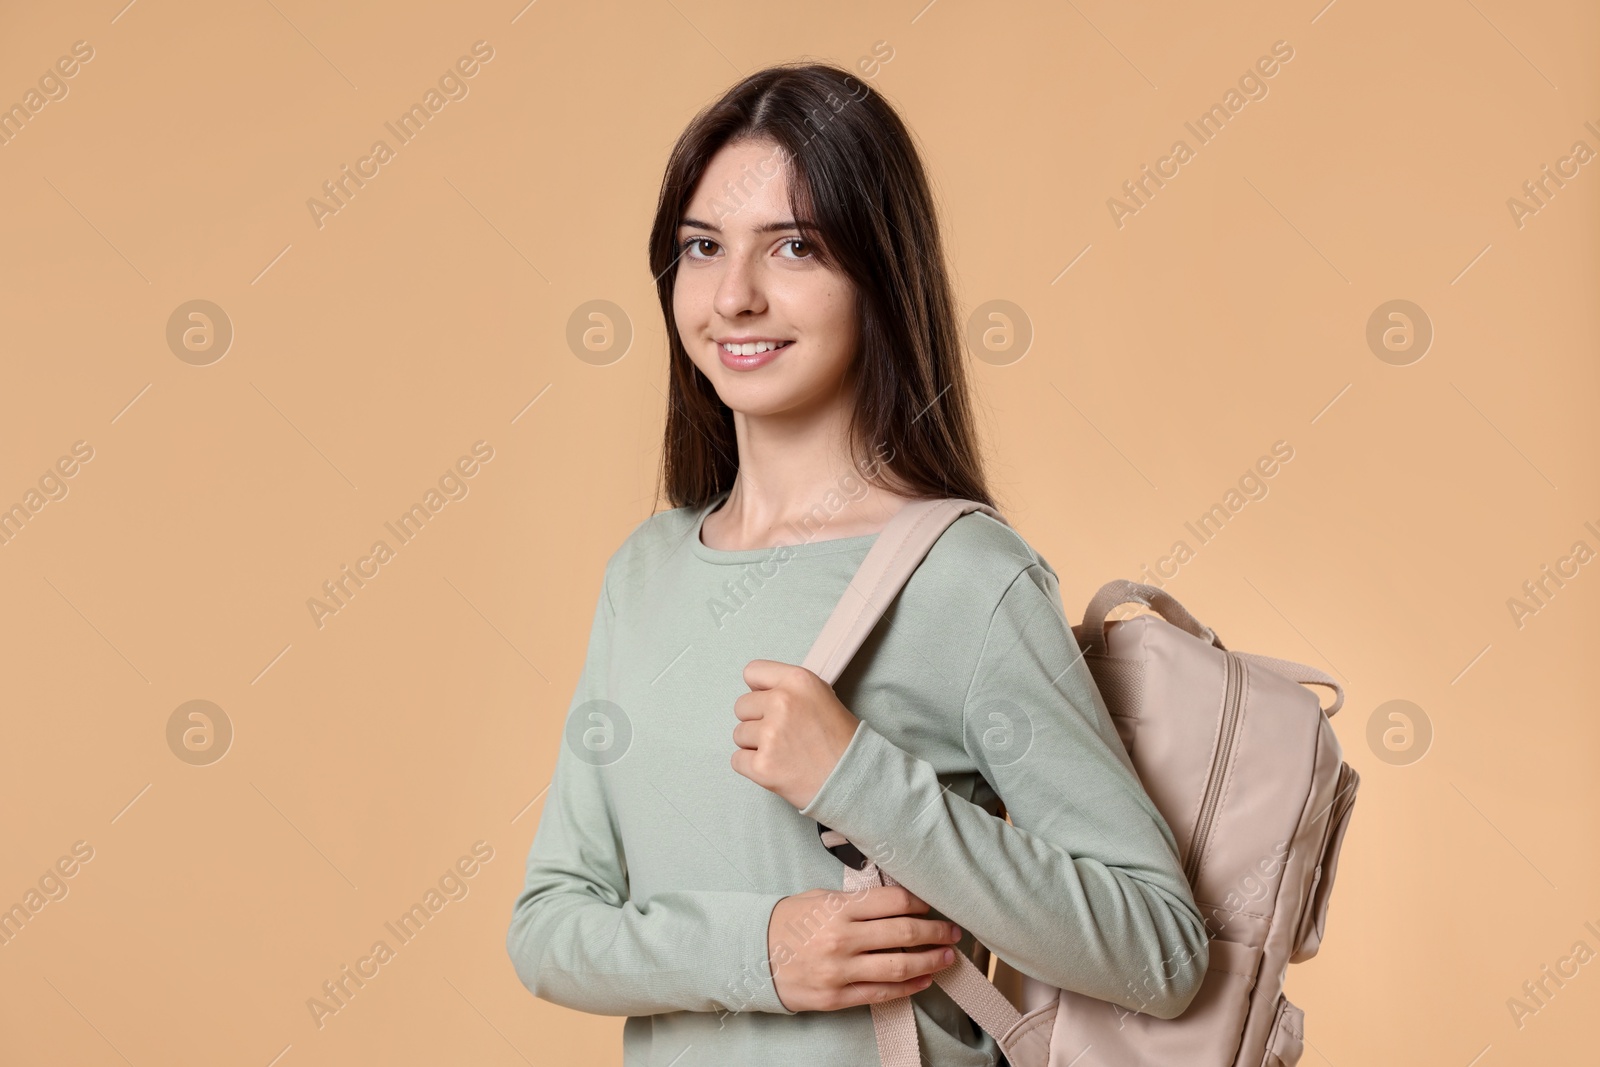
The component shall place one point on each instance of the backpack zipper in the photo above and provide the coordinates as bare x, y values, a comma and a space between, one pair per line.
1232, 702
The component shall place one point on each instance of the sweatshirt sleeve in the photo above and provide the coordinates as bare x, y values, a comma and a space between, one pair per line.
1083, 888
578, 940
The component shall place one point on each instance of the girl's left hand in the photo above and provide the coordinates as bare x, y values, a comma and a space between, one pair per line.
792, 730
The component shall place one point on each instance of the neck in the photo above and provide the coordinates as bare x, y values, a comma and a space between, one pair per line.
797, 479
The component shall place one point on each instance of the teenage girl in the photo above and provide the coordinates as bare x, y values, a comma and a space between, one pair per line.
677, 877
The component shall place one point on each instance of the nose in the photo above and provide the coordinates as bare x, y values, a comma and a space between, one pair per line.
739, 290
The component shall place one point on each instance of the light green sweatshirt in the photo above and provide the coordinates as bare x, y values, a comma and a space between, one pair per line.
655, 866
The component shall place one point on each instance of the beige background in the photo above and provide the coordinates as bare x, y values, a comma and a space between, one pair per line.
432, 310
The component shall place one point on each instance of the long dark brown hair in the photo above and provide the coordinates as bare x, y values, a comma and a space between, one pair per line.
857, 187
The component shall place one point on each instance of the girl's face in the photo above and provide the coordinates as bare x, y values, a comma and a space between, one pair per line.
744, 274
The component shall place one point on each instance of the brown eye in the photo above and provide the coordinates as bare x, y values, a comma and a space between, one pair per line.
799, 241
693, 244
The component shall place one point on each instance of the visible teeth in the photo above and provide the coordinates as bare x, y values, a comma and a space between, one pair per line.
753, 348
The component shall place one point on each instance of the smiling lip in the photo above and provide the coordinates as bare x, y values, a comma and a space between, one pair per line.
760, 359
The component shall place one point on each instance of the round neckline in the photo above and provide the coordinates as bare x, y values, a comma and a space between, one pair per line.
754, 555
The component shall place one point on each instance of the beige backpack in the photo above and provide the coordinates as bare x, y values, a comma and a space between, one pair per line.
1241, 762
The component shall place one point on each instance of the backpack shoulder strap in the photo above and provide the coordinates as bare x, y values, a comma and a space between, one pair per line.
900, 547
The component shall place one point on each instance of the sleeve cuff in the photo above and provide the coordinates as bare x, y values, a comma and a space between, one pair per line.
870, 795
750, 982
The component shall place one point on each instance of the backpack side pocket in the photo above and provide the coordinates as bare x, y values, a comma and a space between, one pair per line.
1308, 938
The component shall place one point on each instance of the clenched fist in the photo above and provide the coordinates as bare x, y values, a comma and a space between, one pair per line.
792, 730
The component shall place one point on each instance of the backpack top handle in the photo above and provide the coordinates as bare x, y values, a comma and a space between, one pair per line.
1091, 635
1121, 591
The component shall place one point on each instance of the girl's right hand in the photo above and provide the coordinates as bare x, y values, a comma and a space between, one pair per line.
825, 956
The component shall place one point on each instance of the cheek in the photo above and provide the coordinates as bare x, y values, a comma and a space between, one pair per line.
682, 307
838, 323
688, 307
821, 305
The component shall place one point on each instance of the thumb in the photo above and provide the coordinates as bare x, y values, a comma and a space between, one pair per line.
766, 673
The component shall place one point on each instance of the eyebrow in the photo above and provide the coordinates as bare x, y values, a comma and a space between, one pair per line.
770, 227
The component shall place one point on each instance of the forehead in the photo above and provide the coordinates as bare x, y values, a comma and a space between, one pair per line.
745, 186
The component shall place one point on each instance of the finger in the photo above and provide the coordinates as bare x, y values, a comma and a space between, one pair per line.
858, 993
901, 931
748, 706
747, 735
897, 966
882, 900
